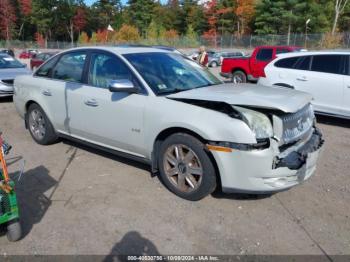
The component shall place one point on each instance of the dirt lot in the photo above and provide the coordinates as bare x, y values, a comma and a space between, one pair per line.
76, 200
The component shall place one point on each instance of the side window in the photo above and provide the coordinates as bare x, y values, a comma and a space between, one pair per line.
70, 67
327, 64
104, 68
46, 69
303, 63
287, 62
282, 51
264, 54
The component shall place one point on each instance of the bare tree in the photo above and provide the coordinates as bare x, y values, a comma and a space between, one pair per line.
339, 6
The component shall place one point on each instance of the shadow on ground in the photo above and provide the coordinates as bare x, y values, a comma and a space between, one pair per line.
239, 196
106, 154
333, 121
32, 201
132, 244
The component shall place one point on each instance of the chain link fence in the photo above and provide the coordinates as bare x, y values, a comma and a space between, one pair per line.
309, 41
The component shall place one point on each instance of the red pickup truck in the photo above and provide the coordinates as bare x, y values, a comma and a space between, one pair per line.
244, 69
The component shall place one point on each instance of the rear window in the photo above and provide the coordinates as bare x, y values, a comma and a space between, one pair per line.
264, 54
287, 62
327, 64
303, 63
282, 51
46, 69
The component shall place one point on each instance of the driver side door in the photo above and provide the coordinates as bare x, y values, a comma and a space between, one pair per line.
110, 119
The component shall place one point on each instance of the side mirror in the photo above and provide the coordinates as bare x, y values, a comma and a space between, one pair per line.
123, 85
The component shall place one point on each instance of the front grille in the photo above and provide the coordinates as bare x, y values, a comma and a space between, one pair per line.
6, 92
297, 125
8, 82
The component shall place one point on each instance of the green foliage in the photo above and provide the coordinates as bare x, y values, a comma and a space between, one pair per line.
140, 13
277, 17
63, 20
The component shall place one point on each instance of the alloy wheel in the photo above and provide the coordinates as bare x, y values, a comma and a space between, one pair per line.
37, 124
183, 168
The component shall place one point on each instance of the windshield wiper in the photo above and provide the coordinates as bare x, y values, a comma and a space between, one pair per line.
173, 91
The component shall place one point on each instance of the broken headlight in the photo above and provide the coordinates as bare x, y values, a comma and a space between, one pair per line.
258, 122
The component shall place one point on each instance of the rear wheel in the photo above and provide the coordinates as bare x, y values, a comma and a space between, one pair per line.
239, 77
214, 64
40, 127
185, 167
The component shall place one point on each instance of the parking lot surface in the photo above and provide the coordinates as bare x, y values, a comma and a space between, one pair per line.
77, 200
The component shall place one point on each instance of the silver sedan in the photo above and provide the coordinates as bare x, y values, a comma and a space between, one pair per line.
9, 69
161, 108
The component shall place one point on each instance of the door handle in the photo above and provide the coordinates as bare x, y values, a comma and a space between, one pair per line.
47, 92
91, 102
304, 79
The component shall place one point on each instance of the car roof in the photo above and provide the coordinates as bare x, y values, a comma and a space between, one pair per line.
280, 46
303, 53
121, 50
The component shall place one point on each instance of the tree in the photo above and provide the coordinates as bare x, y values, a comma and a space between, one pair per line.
43, 13
128, 33
191, 37
25, 8
244, 11
83, 38
339, 6
105, 12
7, 18
212, 18
79, 19
140, 13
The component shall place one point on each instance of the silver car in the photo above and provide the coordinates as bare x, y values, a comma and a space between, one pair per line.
158, 107
9, 69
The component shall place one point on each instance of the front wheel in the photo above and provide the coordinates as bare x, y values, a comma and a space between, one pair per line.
185, 167
239, 77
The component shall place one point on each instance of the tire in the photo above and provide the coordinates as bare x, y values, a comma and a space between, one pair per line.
239, 77
214, 64
191, 174
40, 127
14, 231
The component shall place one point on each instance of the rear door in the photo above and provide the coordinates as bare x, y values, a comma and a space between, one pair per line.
322, 76
263, 57
53, 80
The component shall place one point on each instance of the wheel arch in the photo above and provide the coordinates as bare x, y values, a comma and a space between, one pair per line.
173, 130
239, 69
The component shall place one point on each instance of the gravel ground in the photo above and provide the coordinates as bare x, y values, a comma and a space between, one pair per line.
76, 200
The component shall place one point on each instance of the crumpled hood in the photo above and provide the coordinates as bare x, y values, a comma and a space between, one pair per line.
284, 99
11, 73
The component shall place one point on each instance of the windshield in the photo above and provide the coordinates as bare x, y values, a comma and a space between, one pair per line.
170, 73
7, 61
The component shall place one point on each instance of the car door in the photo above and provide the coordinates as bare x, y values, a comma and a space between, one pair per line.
324, 80
53, 79
263, 57
346, 96
109, 119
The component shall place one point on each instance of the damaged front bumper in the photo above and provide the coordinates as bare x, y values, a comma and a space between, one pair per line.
271, 169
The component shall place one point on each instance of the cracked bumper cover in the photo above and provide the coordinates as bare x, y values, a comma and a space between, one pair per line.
268, 170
